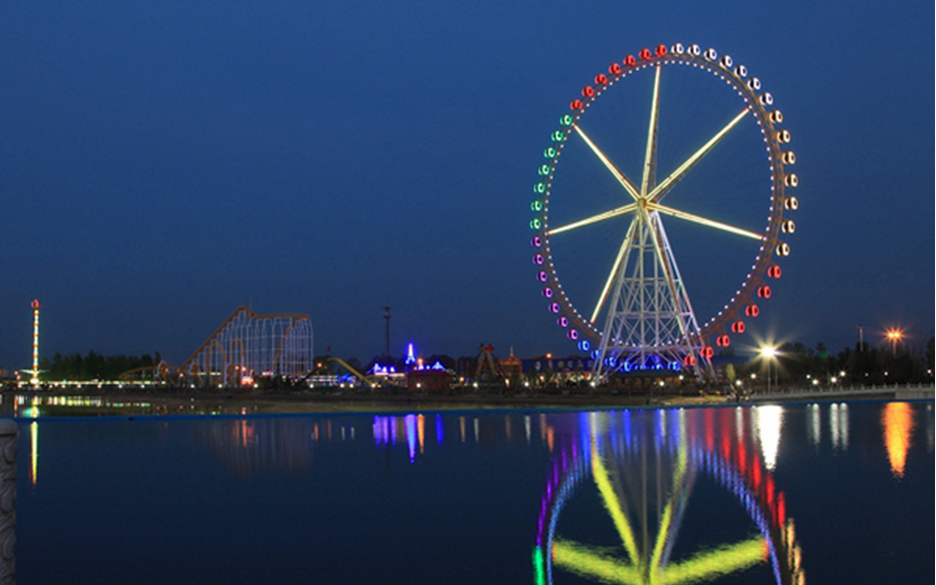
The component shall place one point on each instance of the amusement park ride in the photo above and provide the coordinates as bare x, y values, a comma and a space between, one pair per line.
600, 240
244, 348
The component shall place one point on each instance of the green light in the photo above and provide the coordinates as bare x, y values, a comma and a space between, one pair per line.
558, 136
539, 188
535, 223
566, 120
544, 170
537, 205
550, 152
539, 575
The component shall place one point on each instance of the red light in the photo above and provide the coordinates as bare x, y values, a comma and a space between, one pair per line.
707, 352
35, 304
614, 69
763, 292
737, 327
773, 271
601, 79
723, 341
630, 61
645, 54
751, 311
576, 105
588, 91
689, 361
661, 50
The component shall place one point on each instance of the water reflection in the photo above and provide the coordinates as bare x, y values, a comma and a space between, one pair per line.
929, 428
768, 422
644, 468
838, 425
630, 496
897, 422
253, 444
814, 421
250, 446
33, 453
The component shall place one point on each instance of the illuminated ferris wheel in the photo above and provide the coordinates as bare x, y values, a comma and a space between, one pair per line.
607, 265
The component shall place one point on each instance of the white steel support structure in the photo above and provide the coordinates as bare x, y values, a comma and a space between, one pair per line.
650, 313
247, 346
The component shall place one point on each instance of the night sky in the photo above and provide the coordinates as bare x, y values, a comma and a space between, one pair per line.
162, 163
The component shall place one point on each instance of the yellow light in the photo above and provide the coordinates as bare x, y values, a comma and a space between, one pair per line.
897, 421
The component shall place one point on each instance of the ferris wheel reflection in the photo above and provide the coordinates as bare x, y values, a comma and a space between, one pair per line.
644, 469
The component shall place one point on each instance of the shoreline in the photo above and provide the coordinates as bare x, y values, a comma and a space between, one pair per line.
130, 402
161, 402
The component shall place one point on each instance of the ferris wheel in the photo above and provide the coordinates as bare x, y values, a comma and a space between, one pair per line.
605, 261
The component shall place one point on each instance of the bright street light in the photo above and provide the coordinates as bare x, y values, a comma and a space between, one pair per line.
768, 353
894, 335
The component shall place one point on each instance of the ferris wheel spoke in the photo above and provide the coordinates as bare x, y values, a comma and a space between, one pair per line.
669, 182
613, 505
724, 560
594, 219
649, 173
622, 253
703, 221
624, 181
591, 562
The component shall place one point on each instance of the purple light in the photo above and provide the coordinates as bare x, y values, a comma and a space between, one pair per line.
410, 421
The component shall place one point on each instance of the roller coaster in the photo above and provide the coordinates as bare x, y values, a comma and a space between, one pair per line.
247, 346
244, 348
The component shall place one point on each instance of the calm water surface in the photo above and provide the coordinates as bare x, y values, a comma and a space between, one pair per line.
832, 493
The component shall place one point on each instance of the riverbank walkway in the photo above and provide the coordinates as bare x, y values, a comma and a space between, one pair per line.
881, 391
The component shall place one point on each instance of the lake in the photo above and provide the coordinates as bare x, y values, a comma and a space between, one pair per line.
817, 493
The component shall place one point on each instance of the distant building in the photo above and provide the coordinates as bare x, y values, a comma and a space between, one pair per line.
428, 380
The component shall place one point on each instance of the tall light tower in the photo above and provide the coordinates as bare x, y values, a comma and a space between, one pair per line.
35, 361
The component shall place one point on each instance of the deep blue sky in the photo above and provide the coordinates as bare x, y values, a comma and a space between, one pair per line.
163, 162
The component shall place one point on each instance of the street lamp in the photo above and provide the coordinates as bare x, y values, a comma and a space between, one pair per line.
768, 352
894, 335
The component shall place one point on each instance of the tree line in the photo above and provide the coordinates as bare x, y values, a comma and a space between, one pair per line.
93, 366
796, 364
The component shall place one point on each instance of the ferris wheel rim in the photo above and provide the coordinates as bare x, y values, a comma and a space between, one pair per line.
757, 101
